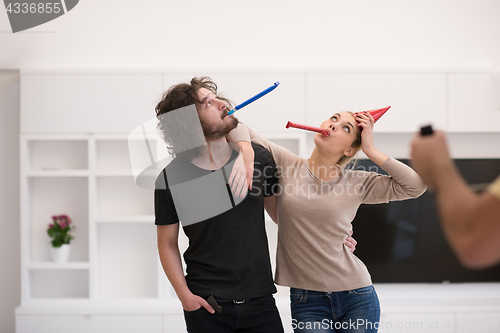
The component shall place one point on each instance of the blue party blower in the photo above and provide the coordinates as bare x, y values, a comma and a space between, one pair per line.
253, 99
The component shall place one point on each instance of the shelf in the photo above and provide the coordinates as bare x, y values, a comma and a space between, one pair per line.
58, 173
114, 173
127, 266
121, 196
114, 258
59, 283
125, 173
126, 219
57, 154
50, 196
54, 265
112, 154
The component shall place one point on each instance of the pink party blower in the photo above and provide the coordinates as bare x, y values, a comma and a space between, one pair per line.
308, 128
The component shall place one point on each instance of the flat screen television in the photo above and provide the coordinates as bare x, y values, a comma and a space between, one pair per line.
402, 241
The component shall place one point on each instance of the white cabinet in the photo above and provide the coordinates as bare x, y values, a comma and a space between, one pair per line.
416, 99
439, 308
174, 323
90, 324
84, 103
59, 282
416, 322
75, 102
271, 112
70, 164
89, 178
52, 324
477, 322
126, 324
474, 103
54, 181
127, 259
54, 195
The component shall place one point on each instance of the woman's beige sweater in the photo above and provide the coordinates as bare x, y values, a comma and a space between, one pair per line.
314, 216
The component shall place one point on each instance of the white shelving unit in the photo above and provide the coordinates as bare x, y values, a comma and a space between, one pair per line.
89, 178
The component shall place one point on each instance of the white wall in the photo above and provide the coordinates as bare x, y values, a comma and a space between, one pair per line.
170, 34
10, 285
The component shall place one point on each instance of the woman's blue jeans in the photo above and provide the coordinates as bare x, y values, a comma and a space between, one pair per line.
350, 311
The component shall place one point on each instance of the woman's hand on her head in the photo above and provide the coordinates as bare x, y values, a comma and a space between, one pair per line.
366, 122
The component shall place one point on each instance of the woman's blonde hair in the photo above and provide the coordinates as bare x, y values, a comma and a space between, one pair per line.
356, 145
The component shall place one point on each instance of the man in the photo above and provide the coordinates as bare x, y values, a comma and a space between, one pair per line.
228, 255
470, 221
227, 259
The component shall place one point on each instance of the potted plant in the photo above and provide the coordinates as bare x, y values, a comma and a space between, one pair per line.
60, 232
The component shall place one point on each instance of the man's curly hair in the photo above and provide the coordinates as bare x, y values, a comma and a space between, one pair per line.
179, 128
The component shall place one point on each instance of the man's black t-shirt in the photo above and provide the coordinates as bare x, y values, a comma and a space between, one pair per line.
228, 253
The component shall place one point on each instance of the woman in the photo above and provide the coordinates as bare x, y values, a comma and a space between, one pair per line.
331, 289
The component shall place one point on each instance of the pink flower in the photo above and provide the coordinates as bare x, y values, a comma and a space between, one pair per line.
63, 224
51, 226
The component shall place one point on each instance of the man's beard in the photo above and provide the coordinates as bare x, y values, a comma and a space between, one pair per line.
214, 133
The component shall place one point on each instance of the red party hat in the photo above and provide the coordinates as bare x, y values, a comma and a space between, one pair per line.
377, 113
